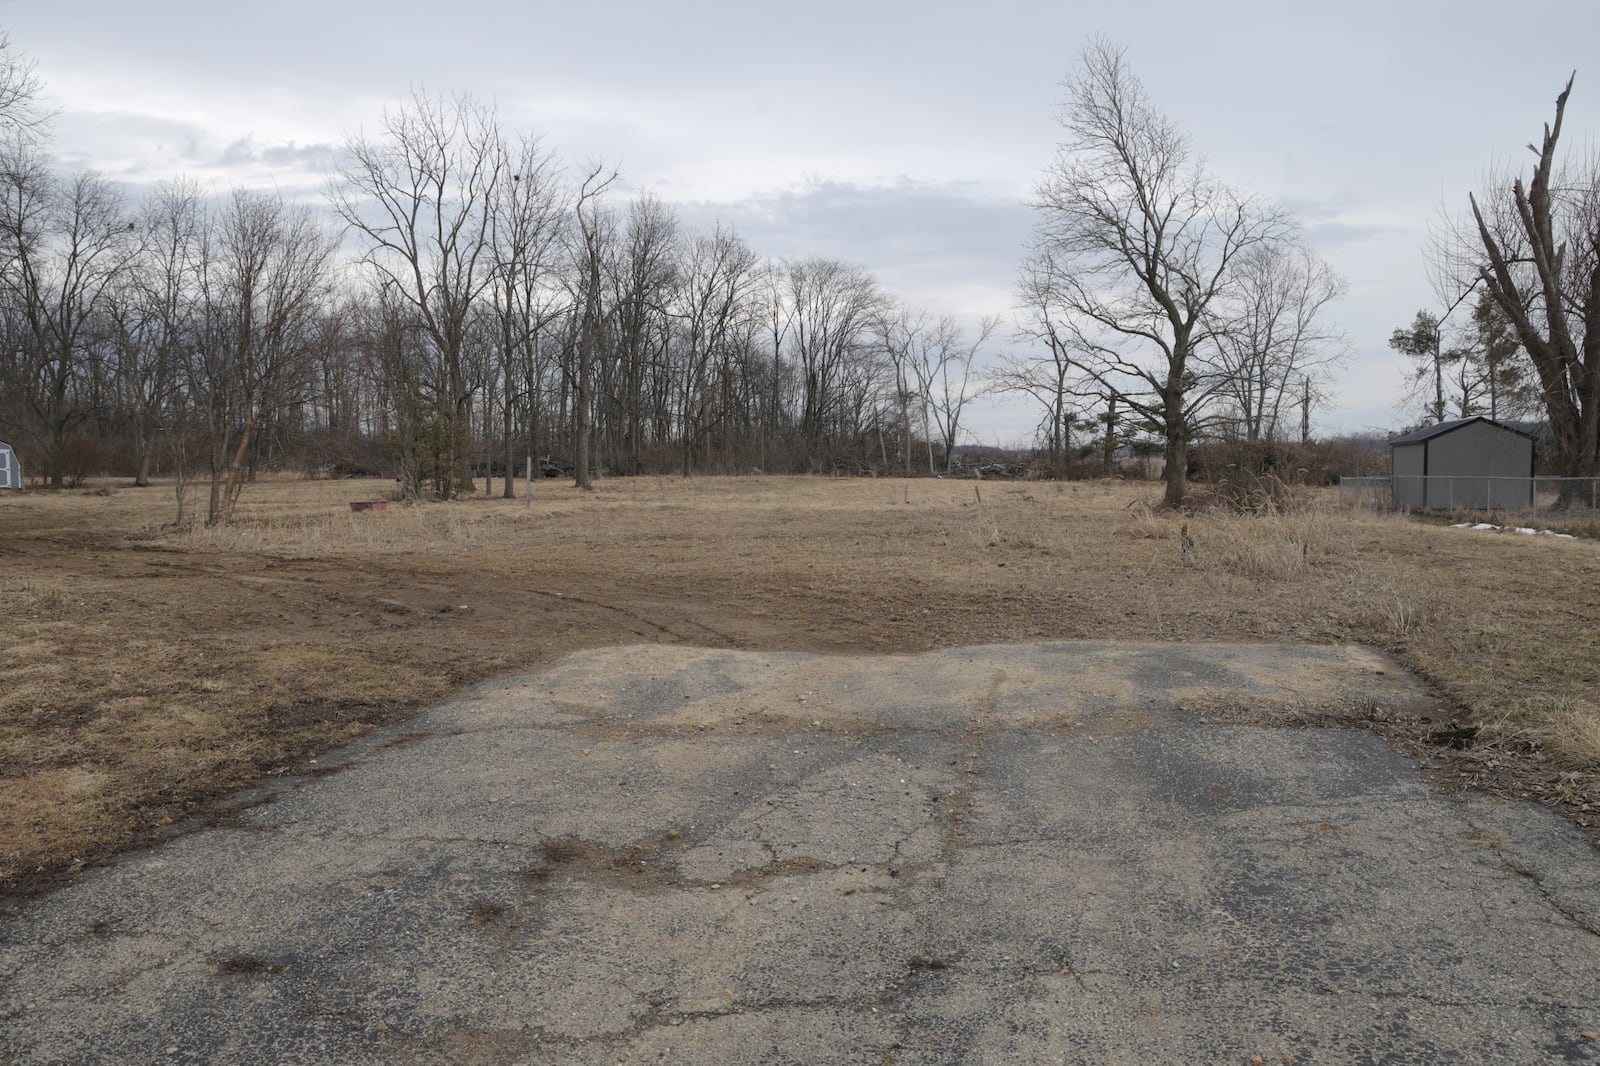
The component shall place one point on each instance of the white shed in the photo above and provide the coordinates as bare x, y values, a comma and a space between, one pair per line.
10, 469
1469, 464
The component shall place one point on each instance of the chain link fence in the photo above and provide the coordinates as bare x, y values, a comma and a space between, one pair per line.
1511, 495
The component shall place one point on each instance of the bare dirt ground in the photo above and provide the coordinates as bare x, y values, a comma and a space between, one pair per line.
145, 670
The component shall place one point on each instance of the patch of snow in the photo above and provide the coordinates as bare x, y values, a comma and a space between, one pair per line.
1513, 529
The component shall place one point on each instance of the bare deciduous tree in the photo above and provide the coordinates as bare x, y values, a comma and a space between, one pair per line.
154, 311
20, 87
64, 243
899, 327
422, 196
525, 226
832, 306
1138, 244
719, 279
1271, 339
264, 274
587, 254
1043, 369
1534, 246
641, 275
943, 364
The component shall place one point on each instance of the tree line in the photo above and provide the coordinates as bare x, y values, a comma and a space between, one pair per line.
476, 310
462, 304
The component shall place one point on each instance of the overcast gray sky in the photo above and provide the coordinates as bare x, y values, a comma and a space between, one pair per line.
902, 136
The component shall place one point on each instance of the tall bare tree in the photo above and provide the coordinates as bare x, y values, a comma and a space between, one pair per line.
587, 252
642, 274
525, 228
1043, 367
1138, 243
265, 272
899, 330
421, 195
153, 314
718, 283
778, 319
1534, 244
1272, 339
832, 306
943, 364
64, 242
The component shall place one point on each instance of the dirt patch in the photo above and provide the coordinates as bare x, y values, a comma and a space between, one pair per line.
638, 865
925, 964
247, 966
150, 671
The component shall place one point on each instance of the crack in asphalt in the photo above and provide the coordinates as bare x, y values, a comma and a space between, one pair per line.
1520, 871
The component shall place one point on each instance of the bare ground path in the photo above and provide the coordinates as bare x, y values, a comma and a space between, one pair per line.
1037, 852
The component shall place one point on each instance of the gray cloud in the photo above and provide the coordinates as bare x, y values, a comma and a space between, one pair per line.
927, 242
245, 152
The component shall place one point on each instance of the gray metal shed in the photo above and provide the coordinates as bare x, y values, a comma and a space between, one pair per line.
1470, 463
10, 469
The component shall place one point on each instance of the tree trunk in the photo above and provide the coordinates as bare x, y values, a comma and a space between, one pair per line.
219, 451
505, 428
1176, 473
581, 405
581, 423
58, 454
144, 447
1109, 449
236, 470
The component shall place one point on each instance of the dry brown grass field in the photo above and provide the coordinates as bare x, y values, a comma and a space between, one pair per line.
147, 670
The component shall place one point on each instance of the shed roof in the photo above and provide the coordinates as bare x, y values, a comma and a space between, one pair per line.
1429, 432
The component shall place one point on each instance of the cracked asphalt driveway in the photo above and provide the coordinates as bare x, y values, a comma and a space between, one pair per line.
1046, 853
